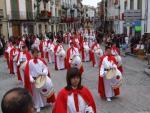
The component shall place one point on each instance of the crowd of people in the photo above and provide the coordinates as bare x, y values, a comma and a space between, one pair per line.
29, 62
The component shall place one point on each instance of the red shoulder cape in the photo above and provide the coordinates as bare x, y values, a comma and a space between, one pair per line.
61, 102
101, 88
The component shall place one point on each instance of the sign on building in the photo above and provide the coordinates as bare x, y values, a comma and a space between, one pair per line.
130, 15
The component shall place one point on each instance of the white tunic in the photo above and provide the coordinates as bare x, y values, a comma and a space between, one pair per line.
73, 52
60, 58
107, 82
51, 52
71, 104
22, 62
98, 52
86, 51
35, 70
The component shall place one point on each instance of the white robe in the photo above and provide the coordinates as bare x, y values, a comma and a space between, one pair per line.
51, 52
45, 46
86, 53
36, 43
35, 70
71, 104
109, 92
98, 52
74, 52
22, 58
15, 54
60, 60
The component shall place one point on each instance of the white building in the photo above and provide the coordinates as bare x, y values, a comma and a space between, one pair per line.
116, 11
20, 17
89, 14
39, 16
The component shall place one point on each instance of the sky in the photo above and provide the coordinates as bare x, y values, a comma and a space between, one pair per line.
91, 2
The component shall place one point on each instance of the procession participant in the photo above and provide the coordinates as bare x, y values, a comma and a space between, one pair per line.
21, 42
76, 41
65, 38
7, 53
71, 52
70, 39
106, 79
43, 48
13, 58
50, 50
22, 59
38, 81
59, 56
91, 39
55, 40
74, 98
116, 53
80, 40
85, 51
36, 42
96, 54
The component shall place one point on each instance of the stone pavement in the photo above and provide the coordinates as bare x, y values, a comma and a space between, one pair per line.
135, 91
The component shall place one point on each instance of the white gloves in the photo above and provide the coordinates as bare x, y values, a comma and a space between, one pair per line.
44, 72
32, 80
89, 110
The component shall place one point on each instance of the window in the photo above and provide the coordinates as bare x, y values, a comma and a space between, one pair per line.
131, 4
40, 28
139, 4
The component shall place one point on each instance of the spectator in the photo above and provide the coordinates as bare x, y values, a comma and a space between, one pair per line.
148, 52
17, 100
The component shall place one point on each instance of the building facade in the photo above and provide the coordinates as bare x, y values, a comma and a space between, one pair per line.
20, 17
89, 16
3, 20
39, 16
115, 19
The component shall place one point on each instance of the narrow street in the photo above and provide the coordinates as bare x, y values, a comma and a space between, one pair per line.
135, 90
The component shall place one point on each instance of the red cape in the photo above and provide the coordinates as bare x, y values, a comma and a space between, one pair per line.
52, 99
55, 61
28, 55
92, 58
61, 102
101, 88
118, 51
11, 67
41, 49
68, 64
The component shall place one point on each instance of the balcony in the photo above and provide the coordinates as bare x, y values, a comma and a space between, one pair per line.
69, 20
16, 15
1, 13
55, 20
44, 15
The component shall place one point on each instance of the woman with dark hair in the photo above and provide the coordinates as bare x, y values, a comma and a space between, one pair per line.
74, 98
